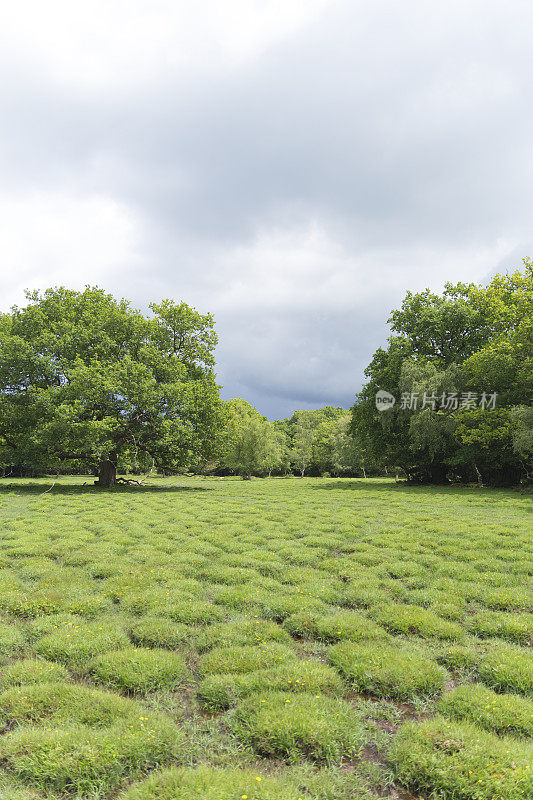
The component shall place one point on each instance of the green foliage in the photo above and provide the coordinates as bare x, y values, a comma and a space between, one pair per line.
252, 444
387, 671
471, 339
501, 713
85, 377
64, 703
280, 724
460, 760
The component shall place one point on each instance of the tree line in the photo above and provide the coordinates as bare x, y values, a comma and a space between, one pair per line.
90, 384
459, 366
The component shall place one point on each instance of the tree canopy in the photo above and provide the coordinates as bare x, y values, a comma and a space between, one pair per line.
87, 378
460, 366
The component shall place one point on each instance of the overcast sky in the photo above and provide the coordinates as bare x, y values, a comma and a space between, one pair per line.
292, 166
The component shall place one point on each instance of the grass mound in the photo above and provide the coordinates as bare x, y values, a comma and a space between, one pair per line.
452, 761
64, 703
81, 643
245, 659
195, 612
459, 658
160, 632
137, 669
241, 632
502, 713
333, 627
11, 639
506, 667
504, 625
218, 692
213, 784
291, 726
402, 618
80, 760
32, 670
387, 671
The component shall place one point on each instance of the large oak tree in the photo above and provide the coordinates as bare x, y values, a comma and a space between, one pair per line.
86, 377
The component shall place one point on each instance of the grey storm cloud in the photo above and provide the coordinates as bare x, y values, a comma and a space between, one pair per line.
294, 172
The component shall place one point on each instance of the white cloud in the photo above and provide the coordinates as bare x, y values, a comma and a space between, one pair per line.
107, 45
50, 238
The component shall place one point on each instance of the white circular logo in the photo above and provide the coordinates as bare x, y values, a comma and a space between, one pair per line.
384, 400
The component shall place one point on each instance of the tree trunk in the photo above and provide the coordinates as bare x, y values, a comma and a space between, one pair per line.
107, 471
478, 475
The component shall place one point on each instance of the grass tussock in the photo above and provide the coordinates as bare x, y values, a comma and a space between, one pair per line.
460, 760
501, 713
387, 671
139, 669
292, 726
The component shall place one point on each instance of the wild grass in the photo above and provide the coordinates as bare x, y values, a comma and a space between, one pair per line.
386, 670
502, 713
460, 760
291, 726
139, 669
200, 595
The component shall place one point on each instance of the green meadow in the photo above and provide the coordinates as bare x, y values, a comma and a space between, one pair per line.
272, 639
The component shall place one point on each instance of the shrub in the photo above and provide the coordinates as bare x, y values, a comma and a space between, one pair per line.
507, 667
502, 713
217, 692
452, 761
79, 760
245, 659
11, 639
401, 618
81, 643
280, 724
137, 669
241, 632
160, 632
387, 671
505, 625
213, 784
32, 670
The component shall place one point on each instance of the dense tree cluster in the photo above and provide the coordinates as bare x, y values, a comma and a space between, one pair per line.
460, 367
87, 383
